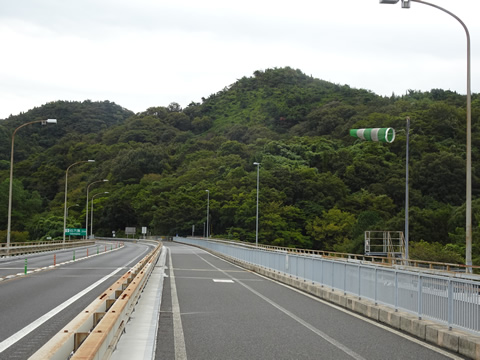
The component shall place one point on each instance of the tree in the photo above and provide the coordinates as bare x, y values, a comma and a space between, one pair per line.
332, 229
24, 205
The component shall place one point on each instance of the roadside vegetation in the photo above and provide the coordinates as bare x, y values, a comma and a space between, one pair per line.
319, 187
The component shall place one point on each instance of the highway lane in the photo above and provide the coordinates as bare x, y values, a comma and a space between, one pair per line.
212, 309
25, 300
16, 264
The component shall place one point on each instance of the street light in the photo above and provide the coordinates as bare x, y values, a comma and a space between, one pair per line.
91, 225
66, 187
70, 207
468, 202
86, 208
67, 214
258, 191
9, 220
407, 188
208, 206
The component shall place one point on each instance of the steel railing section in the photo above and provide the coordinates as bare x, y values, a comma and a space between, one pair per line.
35, 247
458, 270
94, 333
445, 299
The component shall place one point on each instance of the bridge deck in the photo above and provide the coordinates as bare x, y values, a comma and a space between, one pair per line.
211, 309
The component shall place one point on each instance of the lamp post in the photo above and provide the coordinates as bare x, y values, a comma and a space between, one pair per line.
67, 214
70, 207
468, 201
66, 187
208, 208
91, 225
258, 191
407, 188
86, 207
10, 190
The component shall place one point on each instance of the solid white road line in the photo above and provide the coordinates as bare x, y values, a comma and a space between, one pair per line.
5, 344
302, 322
372, 322
179, 339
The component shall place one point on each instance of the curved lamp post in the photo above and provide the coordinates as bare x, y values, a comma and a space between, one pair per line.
86, 207
258, 191
66, 187
91, 222
70, 207
9, 221
67, 214
468, 202
208, 208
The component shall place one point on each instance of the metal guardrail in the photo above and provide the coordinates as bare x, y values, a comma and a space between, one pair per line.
445, 299
456, 270
16, 249
94, 333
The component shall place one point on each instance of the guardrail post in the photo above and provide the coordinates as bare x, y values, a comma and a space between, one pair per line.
420, 310
333, 276
396, 292
54, 259
321, 280
313, 269
97, 249
450, 304
25, 266
305, 268
359, 283
296, 266
73, 255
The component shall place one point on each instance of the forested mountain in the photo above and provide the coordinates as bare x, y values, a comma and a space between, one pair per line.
319, 187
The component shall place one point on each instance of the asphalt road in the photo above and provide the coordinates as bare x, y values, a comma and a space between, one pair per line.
212, 309
35, 307
16, 264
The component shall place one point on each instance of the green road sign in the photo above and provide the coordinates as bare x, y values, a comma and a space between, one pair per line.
76, 232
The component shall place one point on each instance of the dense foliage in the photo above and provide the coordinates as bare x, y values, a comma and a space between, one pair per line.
319, 187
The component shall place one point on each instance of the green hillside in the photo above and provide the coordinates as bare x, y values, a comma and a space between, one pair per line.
319, 187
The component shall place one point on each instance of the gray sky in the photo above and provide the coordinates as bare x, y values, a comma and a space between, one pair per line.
143, 53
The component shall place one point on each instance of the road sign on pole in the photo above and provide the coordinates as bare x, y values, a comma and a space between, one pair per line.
76, 232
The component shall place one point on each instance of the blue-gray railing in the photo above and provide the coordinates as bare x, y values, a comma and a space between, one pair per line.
445, 299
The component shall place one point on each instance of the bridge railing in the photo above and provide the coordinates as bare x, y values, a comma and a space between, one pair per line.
39, 246
451, 301
422, 265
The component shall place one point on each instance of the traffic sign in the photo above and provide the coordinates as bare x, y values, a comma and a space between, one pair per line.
76, 232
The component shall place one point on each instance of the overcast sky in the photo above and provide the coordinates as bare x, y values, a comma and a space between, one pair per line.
144, 53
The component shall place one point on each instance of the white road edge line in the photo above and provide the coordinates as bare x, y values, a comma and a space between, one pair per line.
384, 327
5, 344
179, 339
302, 322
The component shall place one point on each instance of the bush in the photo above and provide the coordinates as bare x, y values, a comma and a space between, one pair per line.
15, 236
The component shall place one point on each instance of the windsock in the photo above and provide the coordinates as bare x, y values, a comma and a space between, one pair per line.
376, 134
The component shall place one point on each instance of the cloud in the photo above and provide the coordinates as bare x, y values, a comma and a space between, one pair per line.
150, 53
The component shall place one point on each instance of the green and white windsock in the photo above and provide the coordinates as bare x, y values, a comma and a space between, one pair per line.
375, 134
